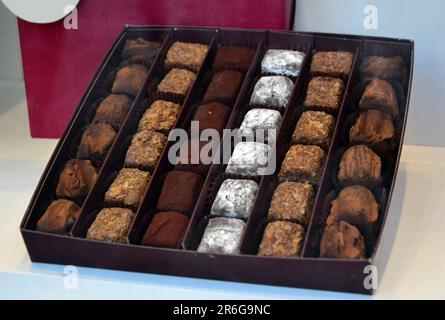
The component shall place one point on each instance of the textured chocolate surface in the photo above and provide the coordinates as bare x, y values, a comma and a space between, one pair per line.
384, 68
234, 199
274, 91
224, 87
166, 230
193, 160
332, 63
380, 95
160, 116
113, 110
213, 115
76, 179
128, 188
96, 141
177, 81
292, 201
360, 165
372, 128
186, 55
248, 158
324, 94
256, 119
342, 241
355, 205
233, 58
282, 239
111, 225
145, 149
314, 128
130, 79
59, 217
222, 236
282, 62
180, 192
302, 163
140, 49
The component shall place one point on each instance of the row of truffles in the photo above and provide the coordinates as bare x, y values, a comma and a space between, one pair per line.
355, 211
236, 195
124, 196
79, 175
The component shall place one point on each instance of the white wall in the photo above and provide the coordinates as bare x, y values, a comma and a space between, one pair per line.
10, 60
422, 21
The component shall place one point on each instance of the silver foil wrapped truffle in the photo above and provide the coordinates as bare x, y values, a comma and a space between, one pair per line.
272, 91
256, 119
282, 62
248, 158
222, 236
234, 199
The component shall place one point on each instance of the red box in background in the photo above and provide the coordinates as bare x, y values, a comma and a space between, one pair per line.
58, 64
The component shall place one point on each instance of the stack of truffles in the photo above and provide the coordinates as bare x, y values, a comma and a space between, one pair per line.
79, 174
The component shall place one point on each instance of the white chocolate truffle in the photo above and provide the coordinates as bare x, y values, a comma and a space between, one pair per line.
272, 91
256, 119
248, 158
282, 62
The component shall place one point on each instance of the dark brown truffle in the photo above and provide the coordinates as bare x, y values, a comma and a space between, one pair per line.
180, 192
96, 141
224, 87
140, 49
324, 94
166, 230
130, 79
192, 160
335, 64
113, 110
76, 179
360, 165
380, 95
213, 115
342, 241
384, 68
59, 217
282, 239
233, 58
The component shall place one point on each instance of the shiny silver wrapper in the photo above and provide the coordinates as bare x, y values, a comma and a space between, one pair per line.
247, 158
282, 62
256, 119
272, 91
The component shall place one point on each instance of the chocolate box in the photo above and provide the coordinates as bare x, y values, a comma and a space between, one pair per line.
307, 271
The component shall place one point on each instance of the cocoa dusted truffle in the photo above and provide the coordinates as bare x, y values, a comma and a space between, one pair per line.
282, 62
260, 119
360, 165
59, 217
282, 239
140, 49
292, 201
213, 115
342, 241
160, 116
127, 189
314, 128
113, 110
111, 225
355, 205
145, 149
324, 94
177, 82
233, 58
249, 159
272, 91
337, 64
224, 87
130, 79
96, 141
380, 95
235, 199
166, 230
222, 236
384, 68
76, 179
180, 192
196, 156
186, 55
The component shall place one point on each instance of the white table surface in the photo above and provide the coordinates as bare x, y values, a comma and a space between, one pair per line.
414, 270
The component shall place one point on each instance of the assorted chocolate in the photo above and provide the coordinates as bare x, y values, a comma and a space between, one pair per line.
282, 62
272, 91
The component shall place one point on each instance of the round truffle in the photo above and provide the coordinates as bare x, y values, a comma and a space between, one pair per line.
59, 217
380, 95
96, 141
76, 179
342, 241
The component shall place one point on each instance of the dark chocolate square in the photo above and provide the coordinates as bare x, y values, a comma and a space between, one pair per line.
233, 58
213, 115
224, 87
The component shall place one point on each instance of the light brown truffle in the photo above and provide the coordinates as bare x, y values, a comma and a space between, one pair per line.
111, 225
282, 239
145, 150
342, 241
380, 95
161, 116
76, 179
186, 55
59, 217
177, 82
324, 94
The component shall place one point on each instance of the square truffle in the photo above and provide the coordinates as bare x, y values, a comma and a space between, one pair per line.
180, 192
292, 201
160, 116
302, 163
96, 141
324, 94
76, 179
272, 91
282, 239
113, 110
59, 217
145, 149
337, 64
222, 236
177, 82
140, 49
111, 225
260, 119
224, 87
127, 189
235, 199
233, 58
213, 115
196, 156
130, 80
166, 230
314, 127
186, 55
282, 62
249, 159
